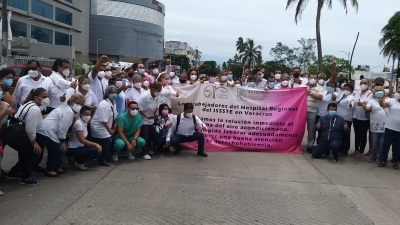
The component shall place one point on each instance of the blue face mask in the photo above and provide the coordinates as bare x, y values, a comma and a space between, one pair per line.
271, 84
251, 84
230, 76
332, 113
113, 96
141, 71
330, 89
124, 80
260, 77
1, 95
379, 94
7, 83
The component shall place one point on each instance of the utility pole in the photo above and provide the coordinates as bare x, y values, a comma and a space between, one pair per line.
351, 58
4, 36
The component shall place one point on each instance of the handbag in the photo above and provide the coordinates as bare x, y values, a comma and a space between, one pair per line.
15, 135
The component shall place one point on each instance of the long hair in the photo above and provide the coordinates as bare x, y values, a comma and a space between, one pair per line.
33, 94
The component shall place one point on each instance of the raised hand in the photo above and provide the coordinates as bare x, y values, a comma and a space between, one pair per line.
104, 58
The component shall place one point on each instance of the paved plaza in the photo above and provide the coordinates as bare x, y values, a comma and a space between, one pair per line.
225, 188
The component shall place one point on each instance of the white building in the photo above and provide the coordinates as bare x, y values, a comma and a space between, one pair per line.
182, 48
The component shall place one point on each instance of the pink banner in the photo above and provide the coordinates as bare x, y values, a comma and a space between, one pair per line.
239, 118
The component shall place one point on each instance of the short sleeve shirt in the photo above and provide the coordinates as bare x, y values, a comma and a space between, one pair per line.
130, 125
74, 141
393, 121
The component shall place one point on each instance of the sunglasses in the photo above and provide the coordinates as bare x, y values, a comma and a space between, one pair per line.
135, 109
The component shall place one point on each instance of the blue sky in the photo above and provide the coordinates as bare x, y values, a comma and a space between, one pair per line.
214, 26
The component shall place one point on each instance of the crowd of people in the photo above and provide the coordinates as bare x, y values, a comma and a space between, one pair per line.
98, 115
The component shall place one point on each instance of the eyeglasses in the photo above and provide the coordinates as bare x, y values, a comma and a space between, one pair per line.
135, 109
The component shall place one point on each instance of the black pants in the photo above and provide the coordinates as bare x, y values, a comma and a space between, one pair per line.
177, 139
346, 139
361, 128
146, 133
27, 159
317, 131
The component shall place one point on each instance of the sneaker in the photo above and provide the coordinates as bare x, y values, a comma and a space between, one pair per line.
14, 177
147, 157
1, 193
336, 160
130, 156
151, 152
29, 182
114, 158
80, 166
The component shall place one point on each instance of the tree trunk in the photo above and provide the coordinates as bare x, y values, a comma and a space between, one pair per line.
318, 30
397, 72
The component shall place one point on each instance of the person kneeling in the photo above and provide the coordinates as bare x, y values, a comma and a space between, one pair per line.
331, 127
80, 148
184, 125
129, 126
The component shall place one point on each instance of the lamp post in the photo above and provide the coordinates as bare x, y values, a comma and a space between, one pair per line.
69, 36
348, 61
97, 51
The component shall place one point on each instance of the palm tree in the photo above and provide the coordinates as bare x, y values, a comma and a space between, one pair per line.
301, 5
249, 53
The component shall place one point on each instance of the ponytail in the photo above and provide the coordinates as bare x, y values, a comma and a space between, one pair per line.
33, 94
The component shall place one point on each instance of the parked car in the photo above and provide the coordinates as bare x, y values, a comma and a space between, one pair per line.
20, 71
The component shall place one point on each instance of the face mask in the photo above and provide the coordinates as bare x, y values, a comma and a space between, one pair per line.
330, 89
277, 76
238, 85
171, 74
346, 92
108, 73
1, 94
76, 108
193, 77
33, 73
165, 112
189, 115
343, 85
101, 74
7, 83
118, 84
65, 72
259, 77
141, 71
134, 112
156, 94
312, 81
130, 75
212, 79
146, 83
230, 76
285, 83
332, 113
155, 71
321, 82
86, 87
296, 75
182, 81
251, 84
363, 87
396, 96
137, 85
86, 118
165, 82
271, 84
45, 102
379, 94
113, 97
124, 80
223, 78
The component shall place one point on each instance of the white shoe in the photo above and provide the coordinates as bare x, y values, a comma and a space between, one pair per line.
1, 193
147, 157
130, 156
151, 152
114, 158
80, 166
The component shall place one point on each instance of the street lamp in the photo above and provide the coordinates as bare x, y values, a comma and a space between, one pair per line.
97, 51
348, 61
69, 36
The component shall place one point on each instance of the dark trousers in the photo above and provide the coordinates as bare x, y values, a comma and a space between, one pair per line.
391, 137
27, 159
361, 128
54, 154
197, 136
84, 153
105, 144
346, 139
40, 157
318, 132
146, 133
322, 145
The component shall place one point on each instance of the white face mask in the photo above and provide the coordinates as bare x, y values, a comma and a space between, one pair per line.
193, 77
278, 76
108, 73
86, 87
237, 85
65, 72
363, 87
137, 85
156, 94
33, 73
189, 115
396, 96
134, 112
223, 78
346, 92
86, 118
312, 81
285, 83
171, 74
118, 84
343, 85
101, 74
76, 108
146, 83
45, 102
321, 82
155, 71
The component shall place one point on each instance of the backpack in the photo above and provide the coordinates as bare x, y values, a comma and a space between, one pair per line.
178, 120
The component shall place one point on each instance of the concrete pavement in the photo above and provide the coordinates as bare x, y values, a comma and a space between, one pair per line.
225, 188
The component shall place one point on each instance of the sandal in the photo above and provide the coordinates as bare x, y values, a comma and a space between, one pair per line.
357, 154
395, 166
60, 171
381, 164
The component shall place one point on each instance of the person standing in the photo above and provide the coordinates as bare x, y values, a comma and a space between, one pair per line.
133, 94
345, 110
167, 90
96, 76
83, 88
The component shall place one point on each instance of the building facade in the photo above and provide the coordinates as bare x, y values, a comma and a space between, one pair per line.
183, 48
127, 30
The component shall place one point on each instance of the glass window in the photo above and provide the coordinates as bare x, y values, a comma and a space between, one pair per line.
19, 4
63, 16
42, 9
42, 34
63, 39
70, 1
18, 29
